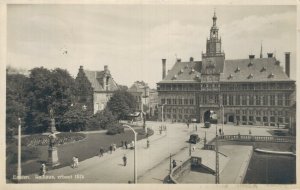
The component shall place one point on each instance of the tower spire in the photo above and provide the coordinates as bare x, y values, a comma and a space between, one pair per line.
261, 54
214, 17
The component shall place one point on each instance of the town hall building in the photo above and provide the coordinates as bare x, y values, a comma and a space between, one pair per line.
250, 91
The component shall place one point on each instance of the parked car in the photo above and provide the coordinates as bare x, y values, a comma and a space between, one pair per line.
207, 124
194, 138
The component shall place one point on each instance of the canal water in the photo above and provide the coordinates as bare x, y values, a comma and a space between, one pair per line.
271, 169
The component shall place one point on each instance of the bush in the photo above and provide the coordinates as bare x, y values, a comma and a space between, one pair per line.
115, 130
43, 140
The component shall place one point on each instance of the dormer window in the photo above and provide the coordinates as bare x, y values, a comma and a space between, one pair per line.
250, 76
271, 75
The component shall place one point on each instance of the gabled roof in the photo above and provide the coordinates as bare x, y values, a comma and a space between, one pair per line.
91, 76
256, 70
184, 72
96, 80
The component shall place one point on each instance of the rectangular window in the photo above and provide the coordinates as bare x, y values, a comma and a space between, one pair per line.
238, 118
180, 101
191, 101
237, 111
175, 101
179, 110
287, 100
250, 118
204, 99
244, 118
257, 100
265, 100
244, 100
237, 100
174, 110
258, 119
272, 100
163, 101
186, 101
230, 100
168, 101
251, 100
224, 99
280, 100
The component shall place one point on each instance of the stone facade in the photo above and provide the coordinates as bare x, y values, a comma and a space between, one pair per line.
94, 88
252, 91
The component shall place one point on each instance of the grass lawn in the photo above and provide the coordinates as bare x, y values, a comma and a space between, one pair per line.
84, 149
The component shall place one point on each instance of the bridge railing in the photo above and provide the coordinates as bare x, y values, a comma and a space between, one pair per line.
285, 139
178, 169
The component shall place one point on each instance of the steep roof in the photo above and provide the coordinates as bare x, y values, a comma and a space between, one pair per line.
184, 72
256, 70
96, 80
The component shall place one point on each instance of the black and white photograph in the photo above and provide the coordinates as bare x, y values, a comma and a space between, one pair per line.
162, 93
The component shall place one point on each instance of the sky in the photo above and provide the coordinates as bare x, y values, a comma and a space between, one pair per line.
132, 39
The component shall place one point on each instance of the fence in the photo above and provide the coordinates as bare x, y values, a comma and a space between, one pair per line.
286, 139
178, 170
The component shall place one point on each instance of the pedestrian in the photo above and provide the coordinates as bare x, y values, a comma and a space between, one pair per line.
239, 135
220, 131
122, 144
250, 132
124, 159
73, 162
114, 147
148, 143
76, 162
132, 143
188, 125
111, 148
196, 128
43, 170
174, 163
101, 151
126, 145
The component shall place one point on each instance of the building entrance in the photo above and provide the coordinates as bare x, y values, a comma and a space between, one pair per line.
231, 118
207, 116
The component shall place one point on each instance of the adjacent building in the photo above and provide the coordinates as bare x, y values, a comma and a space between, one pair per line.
252, 91
94, 88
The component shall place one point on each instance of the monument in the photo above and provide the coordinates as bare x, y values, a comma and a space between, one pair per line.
52, 149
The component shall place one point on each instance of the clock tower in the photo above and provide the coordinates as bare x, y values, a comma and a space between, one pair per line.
213, 44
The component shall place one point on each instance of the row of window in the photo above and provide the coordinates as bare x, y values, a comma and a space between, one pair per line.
180, 111
174, 116
265, 100
263, 119
261, 112
177, 101
225, 87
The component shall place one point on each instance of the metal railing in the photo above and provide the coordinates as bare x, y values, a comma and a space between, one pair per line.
286, 139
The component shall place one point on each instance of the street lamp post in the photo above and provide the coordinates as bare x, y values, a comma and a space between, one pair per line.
135, 153
19, 172
162, 112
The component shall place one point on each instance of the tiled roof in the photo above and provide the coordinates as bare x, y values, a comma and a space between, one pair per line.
96, 80
184, 72
256, 70
92, 77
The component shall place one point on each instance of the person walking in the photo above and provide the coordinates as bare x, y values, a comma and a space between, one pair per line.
76, 162
174, 163
126, 145
43, 170
250, 132
196, 128
220, 131
101, 151
148, 143
124, 160
111, 148
73, 162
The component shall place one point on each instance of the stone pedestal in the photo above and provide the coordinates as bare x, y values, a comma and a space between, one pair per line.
52, 126
52, 157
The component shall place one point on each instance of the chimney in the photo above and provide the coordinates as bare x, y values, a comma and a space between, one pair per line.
191, 59
287, 63
163, 68
81, 67
105, 67
251, 56
270, 55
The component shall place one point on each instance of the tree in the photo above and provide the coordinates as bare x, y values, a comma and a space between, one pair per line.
75, 119
47, 89
103, 119
121, 104
15, 101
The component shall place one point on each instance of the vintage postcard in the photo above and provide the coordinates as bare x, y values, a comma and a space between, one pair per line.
150, 94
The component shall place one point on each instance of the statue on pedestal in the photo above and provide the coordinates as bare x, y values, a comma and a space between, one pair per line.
52, 150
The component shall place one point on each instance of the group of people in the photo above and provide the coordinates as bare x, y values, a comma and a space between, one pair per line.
75, 162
